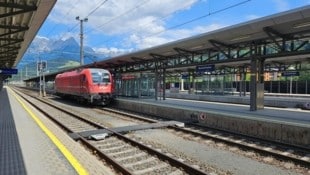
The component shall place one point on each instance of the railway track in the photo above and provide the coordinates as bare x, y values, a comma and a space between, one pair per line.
124, 154
282, 152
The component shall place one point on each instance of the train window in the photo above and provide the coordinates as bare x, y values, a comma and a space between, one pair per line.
105, 78
96, 77
100, 77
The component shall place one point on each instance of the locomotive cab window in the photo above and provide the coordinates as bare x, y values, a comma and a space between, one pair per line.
105, 78
100, 77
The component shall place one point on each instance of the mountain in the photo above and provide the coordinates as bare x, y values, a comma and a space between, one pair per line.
57, 53
68, 45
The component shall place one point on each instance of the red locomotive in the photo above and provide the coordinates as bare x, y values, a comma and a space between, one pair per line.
90, 85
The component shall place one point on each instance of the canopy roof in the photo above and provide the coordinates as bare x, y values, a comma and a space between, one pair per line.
20, 21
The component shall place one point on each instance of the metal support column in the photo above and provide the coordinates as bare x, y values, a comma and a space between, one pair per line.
240, 83
260, 86
242, 86
193, 82
257, 84
164, 84
40, 82
139, 85
182, 84
192, 87
253, 85
156, 80
44, 84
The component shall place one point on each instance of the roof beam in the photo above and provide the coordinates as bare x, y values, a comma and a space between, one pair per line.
10, 43
301, 45
218, 44
16, 31
14, 5
160, 60
23, 8
9, 50
271, 31
157, 56
9, 56
12, 27
12, 39
182, 51
273, 34
137, 59
185, 53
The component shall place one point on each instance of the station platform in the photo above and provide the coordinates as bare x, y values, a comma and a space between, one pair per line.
272, 114
279, 124
31, 144
270, 99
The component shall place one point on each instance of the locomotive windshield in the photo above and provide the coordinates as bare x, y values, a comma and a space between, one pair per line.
100, 77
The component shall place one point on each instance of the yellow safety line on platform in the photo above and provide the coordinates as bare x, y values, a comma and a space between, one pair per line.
73, 161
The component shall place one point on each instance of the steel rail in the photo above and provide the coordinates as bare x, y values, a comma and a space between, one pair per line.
262, 151
174, 162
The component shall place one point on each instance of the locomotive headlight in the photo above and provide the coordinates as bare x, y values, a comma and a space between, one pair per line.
102, 87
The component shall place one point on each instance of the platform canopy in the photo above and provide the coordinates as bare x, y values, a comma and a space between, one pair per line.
20, 21
286, 25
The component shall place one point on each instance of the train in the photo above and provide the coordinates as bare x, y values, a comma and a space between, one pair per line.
88, 85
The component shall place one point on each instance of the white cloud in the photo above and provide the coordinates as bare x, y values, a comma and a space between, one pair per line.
142, 23
64, 36
147, 42
41, 37
169, 36
111, 51
118, 17
281, 5
141, 42
251, 17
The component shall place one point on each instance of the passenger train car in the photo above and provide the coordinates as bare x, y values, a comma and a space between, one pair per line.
91, 85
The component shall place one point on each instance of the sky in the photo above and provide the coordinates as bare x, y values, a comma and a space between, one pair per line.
118, 26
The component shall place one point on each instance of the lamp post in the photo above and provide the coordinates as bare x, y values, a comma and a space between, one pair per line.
81, 38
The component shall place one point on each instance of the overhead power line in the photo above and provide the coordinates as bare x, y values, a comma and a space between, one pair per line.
200, 17
118, 16
192, 20
93, 11
90, 13
55, 25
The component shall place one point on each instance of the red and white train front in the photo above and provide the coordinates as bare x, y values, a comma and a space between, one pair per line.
93, 85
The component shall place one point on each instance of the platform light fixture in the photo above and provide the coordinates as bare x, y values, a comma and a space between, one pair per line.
196, 47
300, 25
240, 37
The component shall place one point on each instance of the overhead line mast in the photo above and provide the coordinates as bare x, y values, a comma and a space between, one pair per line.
81, 39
